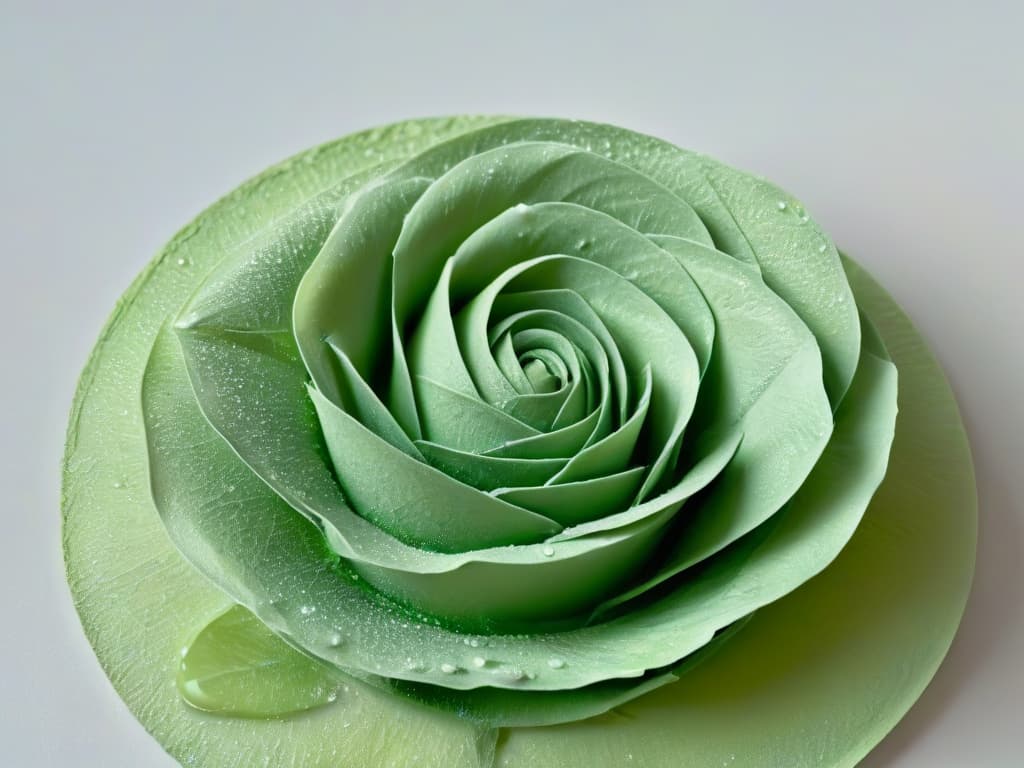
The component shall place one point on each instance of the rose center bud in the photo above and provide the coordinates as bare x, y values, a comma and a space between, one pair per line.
543, 380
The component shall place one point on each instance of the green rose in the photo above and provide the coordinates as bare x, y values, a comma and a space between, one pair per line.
519, 422
545, 382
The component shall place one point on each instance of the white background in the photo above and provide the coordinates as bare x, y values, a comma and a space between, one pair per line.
901, 126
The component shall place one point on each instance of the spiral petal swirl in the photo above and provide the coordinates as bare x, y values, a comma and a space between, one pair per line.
531, 417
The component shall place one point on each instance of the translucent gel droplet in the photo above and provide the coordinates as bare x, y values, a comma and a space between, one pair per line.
237, 667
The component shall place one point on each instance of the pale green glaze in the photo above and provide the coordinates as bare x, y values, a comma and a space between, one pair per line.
294, 585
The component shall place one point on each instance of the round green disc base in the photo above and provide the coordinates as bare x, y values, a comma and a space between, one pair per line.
815, 679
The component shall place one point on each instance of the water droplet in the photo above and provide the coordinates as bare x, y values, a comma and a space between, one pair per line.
548, 551
183, 262
306, 610
583, 244
221, 651
449, 669
479, 662
782, 205
556, 663
804, 217
231, 489
822, 248
474, 643
119, 484
335, 640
